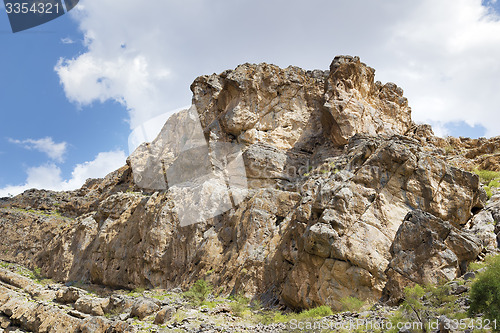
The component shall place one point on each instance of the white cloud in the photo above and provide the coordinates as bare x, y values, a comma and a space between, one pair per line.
46, 145
67, 40
444, 54
48, 176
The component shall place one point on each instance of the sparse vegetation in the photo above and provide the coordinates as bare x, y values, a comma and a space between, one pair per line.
449, 148
351, 304
486, 176
477, 265
44, 213
489, 179
240, 306
269, 317
198, 292
136, 292
5, 264
485, 292
412, 306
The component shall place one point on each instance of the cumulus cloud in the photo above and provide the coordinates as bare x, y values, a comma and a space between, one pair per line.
444, 54
46, 145
48, 176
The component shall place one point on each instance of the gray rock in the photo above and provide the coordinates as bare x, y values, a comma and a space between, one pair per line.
460, 290
444, 325
143, 307
427, 249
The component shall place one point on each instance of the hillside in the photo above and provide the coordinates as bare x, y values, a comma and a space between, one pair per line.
295, 188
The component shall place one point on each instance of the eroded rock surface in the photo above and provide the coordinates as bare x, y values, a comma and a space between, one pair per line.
427, 250
333, 165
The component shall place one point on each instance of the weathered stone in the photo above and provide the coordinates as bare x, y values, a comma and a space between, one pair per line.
164, 315
143, 307
69, 295
92, 305
333, 164
428, 250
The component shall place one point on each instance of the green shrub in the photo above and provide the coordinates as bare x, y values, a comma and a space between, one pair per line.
319, 312
5, 264
489, 192
351, 304
449, 148
439, 294
485, 292
494, 183
240, 305
198, 292
137, 292
413, 309
268, 317
487, 176
256, 304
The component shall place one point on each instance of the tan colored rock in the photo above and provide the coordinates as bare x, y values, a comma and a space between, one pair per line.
333, 163
92, 305
143, 307
164, 315
69, 294
18, 308
357, 104
35, 316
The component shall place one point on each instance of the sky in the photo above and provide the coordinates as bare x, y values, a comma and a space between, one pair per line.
77, 94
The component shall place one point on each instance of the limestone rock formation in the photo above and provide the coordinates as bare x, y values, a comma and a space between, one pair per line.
304, 177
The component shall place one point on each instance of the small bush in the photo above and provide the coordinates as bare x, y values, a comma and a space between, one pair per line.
137, 292
494, 183
439, 294
268, 317
489, 192
485, 292
5, 264
449, 148
319, 312
351, 304
198, 292
487, 176
256, 305
240, 305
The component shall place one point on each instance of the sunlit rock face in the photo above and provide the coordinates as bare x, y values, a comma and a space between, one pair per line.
289, 185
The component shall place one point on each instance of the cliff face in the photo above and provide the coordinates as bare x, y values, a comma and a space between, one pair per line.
288, 185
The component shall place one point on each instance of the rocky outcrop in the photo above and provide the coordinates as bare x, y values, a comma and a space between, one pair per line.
29, 306
284, 184
427, 250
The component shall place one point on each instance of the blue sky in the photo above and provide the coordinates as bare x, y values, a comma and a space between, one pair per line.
72, 89
34, 105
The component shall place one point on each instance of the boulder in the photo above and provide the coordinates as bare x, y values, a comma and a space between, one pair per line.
164, 315
69, 295
92, 305
144, 307
428, 250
